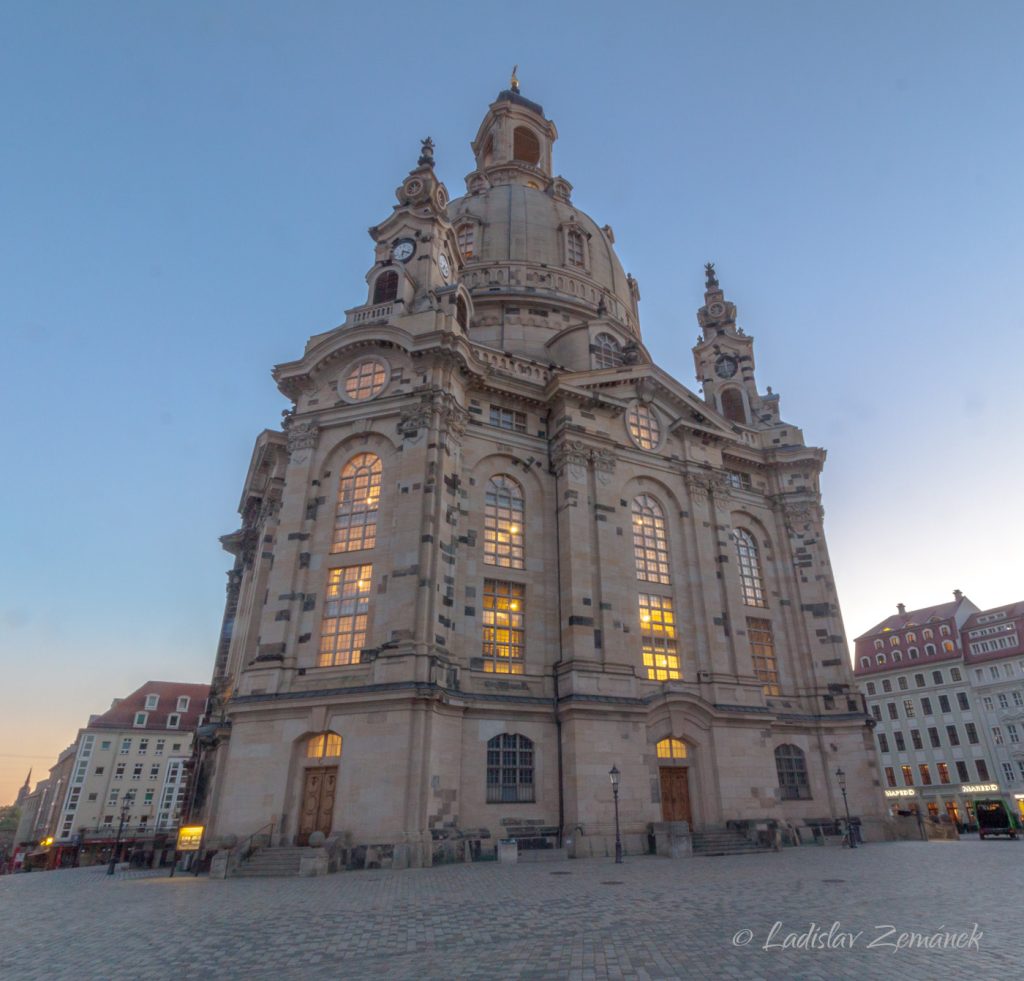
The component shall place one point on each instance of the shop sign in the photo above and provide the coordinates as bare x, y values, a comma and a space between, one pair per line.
189, 838
979, 788
908, 792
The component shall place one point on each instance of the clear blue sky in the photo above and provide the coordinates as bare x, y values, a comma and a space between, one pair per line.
184, 193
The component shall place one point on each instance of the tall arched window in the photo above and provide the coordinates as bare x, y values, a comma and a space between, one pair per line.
792, 769
385, 288
574, 249
751, 580
323, 744
525, 145
510, 769
465, 236
927, 633
658, 638
462, 313
732, 405
607, 351
504, 513
355, 521
865, 662
650, 540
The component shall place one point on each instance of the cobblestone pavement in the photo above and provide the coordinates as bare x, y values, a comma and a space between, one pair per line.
647, 918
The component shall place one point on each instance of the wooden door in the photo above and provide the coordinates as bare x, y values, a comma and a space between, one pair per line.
675, 794
317, 802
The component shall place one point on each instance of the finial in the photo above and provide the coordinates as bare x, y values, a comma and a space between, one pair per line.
711, 280
426, 153
515, 81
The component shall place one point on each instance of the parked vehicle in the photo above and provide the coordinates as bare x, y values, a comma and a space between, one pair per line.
995, 818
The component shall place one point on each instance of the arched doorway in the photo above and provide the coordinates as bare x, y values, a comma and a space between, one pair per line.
674, 778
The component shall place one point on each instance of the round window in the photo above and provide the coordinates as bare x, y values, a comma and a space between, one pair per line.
365, 380
644, 428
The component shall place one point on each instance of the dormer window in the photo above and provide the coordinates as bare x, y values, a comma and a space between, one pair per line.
173, 720
575, 253
183, 703
465, 236
385, 288
525, 145
607, 351
152, 701
140, 720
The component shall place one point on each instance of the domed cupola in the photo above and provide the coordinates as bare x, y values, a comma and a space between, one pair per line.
535, 264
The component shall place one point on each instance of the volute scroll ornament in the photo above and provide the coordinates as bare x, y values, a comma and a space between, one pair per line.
572, 453
302, 439
698, 488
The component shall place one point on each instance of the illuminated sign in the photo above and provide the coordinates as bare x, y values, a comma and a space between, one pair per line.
901, 793
46, 842
1018, 796
979, 788
190, 838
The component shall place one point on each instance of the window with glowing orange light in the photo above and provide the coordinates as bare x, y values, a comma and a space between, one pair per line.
465, 236
503, 523
643, 426
671, 749
366, 380
355, 521
504, 643
658, 638
762, 647
323, 744
346, 604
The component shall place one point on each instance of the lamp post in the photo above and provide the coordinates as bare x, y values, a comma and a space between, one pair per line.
613, 775
125, 804
841, 777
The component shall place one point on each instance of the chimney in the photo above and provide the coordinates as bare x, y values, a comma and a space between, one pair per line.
957, 595
901, 609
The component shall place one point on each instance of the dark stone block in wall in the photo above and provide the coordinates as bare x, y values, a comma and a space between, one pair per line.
304, 560
299, 536
470, 611
283, 615
309, 603
575, 621
304, 638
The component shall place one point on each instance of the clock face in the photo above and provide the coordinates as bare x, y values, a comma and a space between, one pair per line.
725, 366
403, 250
716, 309
444, 265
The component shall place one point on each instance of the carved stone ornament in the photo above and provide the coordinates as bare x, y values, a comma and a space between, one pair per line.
414, 418
301, 436
571, 453
269, 510
698, 488
454, 418
801, 513
604, 464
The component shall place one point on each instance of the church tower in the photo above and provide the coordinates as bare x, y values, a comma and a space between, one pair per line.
495, 551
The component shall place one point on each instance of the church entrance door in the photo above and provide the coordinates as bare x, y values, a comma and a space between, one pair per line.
317, 802
675, 794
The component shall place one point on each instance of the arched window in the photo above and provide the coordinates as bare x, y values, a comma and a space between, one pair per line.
650, 540
504, 513
465, 236
880, 658
929, 650
323, 744
355, 521
751, 580
510, 769
894, 641
607, 351
879, 645
462, 313
911, 637
912, 653
944, 630
643, 426
897, 656
671, 749
525, 145
865, 662
385, 288
792, 769
575, 253
947, 646
927, 633
732, 405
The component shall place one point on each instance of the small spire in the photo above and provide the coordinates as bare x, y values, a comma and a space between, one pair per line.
426, 153
28, 779
710, 279
514, 83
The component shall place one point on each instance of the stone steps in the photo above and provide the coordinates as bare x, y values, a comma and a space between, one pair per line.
713, 843
270, 862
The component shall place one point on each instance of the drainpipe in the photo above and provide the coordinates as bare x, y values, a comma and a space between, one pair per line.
554, 670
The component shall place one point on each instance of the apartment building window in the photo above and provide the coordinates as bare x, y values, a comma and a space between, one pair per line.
902, 682
961, 771
943, 769
954, 674
919, 680
926, 706
926, 777
119, 771
1011, 732
1017, 700
937, 677
1003, 702
112, 798
915, 739
886, 684
508, 419
952, 735
154, 771
933, 737
961, 700
987, 702
997, 735
173, 720
137, 771
1007, 772
504, 516
901, 743
982, 767
126, 746
504, 619
159, 751
346, 608
943, 703
891, 706
871, 688
883, 742
908, 775
152, 701
972, 732
876, 711
143, 747
908, 707
890, 776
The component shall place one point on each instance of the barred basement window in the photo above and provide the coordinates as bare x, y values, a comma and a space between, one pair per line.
323, 744
385, 289
751, 580
650, 540
366, 380
792, 769
607, 351
503, 523
510, 769
355, 521
504, 641
762, 647
643, 426
658, 638
508, 419
346, 605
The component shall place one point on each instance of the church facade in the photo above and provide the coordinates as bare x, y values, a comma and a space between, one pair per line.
495, 551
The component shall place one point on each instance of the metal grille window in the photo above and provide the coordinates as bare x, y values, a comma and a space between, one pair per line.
355, 521
643, 426
503, 523
751, 580
347, 603
762, 647
792, 769
508, 419
607, 352
366, 380
510, 769
650, 540
658, 638
504, 618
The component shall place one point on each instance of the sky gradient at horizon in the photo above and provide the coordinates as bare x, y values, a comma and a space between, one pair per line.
186, 188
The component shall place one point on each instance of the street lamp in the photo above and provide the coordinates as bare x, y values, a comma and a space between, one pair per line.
125, 804
841, 777
613, 775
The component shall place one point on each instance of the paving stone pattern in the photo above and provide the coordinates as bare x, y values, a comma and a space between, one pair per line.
647, 918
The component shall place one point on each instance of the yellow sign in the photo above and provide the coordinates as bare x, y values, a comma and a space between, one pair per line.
190, 838
46, 842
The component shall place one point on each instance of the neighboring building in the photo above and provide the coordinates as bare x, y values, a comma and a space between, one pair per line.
496, 550
38, 823
137, 751
945, 686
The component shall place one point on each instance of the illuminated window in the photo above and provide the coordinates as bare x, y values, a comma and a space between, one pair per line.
762, 647
343, 632
466, 235
947, 646
792, 769
908, 775
944, 630
355, 521
671, 749
366, 380
508, 419
503, 523
504, 618
879, 645
880, 658
658, 638
525, 145
323, 744
911, 637
650, 540
643, 426
574, 249
385, 289
732, 405
894, 641
927, 633
607, 351
943, 769
926, 776
751, 581
510, 769
890, 776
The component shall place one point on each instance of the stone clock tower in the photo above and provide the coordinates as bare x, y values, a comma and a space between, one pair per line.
495, 550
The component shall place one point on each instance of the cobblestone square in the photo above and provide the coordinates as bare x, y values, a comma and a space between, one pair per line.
647, 918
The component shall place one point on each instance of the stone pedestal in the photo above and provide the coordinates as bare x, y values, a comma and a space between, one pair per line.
219, 865
313, 861
672, 839
508, 851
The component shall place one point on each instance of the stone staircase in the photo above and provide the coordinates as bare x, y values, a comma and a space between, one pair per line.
271, 862
723, 842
